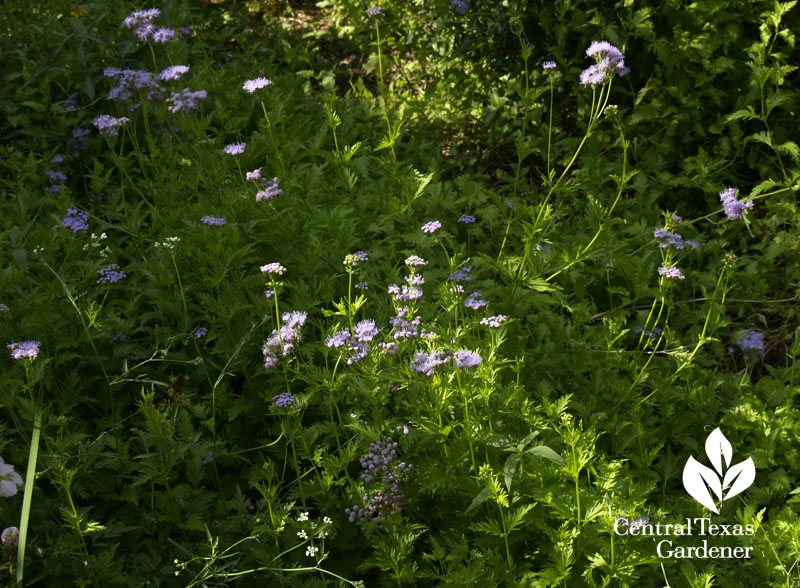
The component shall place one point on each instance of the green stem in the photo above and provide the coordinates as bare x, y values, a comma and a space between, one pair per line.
30, 482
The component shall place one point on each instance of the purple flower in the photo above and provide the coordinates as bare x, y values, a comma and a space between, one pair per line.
58, 158
352, 260
734, 207
460, 6
10, 536
466, 218
273, 268
77, 220
163, 35
610, 61
119, 337
23, 350
494, 321
107, 124
110, 274
186, 101
549, 65
270, 191
361, 286
253, 175
374, 10
752, 345
256, 84
676, 218
284, 400
475, 301
424, 363
200, 332
283, 341
209, 458
466, 359
415, 261
390, 347
4, 309
269, 293
378, 466
213, 221
365, 331
235, 148
461, 275
404, 294
172, 73
77, 142
692, 243
670, 272
56, 176
10, 480
431, 227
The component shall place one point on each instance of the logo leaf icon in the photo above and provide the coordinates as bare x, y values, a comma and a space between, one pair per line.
741, 476
697, 479
717, 447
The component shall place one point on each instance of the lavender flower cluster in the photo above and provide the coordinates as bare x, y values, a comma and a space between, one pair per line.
283, 341
110, 274
142, 22
284, 400
734, 208
57, 178
425, 363
610, 61
357, 342
108, 125
654, 334
78, 143
24, 350
670, 239
752, 345
76, 220
213, 221
378, 466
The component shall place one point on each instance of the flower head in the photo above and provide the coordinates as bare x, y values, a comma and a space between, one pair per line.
374, 10
670, 272
610, 61
270, 191
475, 301
256, 84
352, 260
460, 6
163, 35
494, 321
235, 148
213, 221
174, 72
110, 274
24, 350
415, 261
10, 481
752, 345
431, 227
10, 536
284, 400
108, 125
76, 220
466, 218
734, 207
466, 359
549, 65
200, 332
273, 269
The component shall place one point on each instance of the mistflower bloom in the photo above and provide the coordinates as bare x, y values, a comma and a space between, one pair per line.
466, 218
273, 268
638, 523
58, 158
692, 243
494, 321
253, 175
415, 261
4, 308
670, 272
213, 221
676, 218
466, 359
10, 536
200, 332
415, 279
78, 142
461, 275
361, 286
173, 73
475, 301
460, 6
76, 220
365, 331
56, 177
734, 207
404, 294
610, 61
270, 191
431, 227
119, 337
378, 466
284, 400
256, 84
390, 347
108, 125
134, 19
163, 35
283, 341
374, 10
354, 259
654, 334
752, 345
209, 458
424, 363
10, 481
185, 101
23, 350
269, 293
110, 274
549, 65
235, 148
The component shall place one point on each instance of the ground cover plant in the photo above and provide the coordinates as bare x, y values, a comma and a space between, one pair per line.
397, 293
